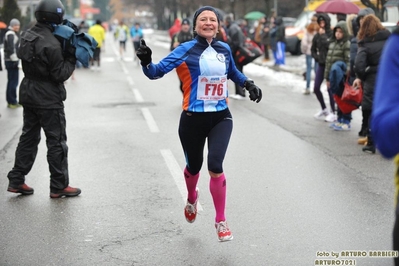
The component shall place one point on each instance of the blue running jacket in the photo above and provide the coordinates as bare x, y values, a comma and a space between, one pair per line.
204, 68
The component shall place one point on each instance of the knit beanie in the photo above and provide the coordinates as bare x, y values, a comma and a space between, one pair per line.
14, 22
202, 9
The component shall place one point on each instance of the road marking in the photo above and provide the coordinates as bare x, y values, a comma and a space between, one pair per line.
130, 81
137, 95
177, 174
150, 120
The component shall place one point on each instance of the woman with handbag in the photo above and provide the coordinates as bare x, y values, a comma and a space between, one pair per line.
371, 39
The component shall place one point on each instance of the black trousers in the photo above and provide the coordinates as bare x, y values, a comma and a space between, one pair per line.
53, 123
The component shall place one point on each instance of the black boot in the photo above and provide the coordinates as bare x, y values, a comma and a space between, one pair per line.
369, 147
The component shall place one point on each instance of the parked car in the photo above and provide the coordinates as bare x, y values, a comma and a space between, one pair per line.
389, 26
294, 34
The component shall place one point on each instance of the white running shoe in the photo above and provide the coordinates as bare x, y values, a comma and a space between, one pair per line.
321, 115
190, 211
331, 117
223, 231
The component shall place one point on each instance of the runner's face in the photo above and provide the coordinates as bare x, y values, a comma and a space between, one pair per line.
207, 24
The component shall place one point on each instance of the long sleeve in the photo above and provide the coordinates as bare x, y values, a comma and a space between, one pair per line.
385, 115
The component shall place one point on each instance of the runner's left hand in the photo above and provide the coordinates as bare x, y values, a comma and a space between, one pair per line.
255, 93
144, 53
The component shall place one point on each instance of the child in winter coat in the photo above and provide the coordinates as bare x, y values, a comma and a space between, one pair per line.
337, 66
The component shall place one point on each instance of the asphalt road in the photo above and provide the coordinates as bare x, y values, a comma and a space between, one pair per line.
297, 191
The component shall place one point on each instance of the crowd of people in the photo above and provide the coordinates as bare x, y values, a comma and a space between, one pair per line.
349, 51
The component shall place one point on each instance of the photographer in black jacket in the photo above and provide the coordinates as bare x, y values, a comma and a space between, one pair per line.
46, 65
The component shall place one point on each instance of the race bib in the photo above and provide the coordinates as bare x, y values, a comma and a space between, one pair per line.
212, 88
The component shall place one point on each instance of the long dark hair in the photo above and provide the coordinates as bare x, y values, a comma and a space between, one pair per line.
369, 27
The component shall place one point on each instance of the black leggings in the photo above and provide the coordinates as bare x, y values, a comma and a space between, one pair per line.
195, 128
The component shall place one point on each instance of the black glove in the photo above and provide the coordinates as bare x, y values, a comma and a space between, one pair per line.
144, 53
255, 94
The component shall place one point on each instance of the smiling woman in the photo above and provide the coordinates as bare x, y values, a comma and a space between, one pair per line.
204, 66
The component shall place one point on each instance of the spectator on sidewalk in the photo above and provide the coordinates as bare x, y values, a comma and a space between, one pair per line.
338, 52
306, 45
262, 37
319, 50
371, 40
11, 61
235, 39
277, 41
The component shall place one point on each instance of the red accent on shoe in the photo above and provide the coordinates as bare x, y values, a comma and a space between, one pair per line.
24, 189
66, 192
190, 211
223, 231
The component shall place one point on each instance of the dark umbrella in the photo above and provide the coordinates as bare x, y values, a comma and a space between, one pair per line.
338, 6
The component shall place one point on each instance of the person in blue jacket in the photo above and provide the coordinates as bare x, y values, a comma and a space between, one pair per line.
136, 34
385, 116
204, 65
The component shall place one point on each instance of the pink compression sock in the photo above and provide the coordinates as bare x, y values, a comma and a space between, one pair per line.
191, 184
217, 186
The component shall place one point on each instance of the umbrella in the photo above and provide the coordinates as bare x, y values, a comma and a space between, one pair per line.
2, 25
254, 15
338, 6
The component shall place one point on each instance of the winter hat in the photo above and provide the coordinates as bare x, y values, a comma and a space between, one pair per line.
202, 9
364, 12
14, 22
185, 22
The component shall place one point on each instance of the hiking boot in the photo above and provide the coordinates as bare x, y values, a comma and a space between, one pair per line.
223, 231
24, 189
190, 211
66, 192
369, 148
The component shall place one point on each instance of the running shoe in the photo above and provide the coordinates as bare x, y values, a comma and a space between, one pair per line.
190, 211
331, 117
321, 115
342, 127
223, 231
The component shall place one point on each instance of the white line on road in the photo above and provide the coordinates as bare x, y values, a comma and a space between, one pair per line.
150, 120
138, 96
130, 80
177, 175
